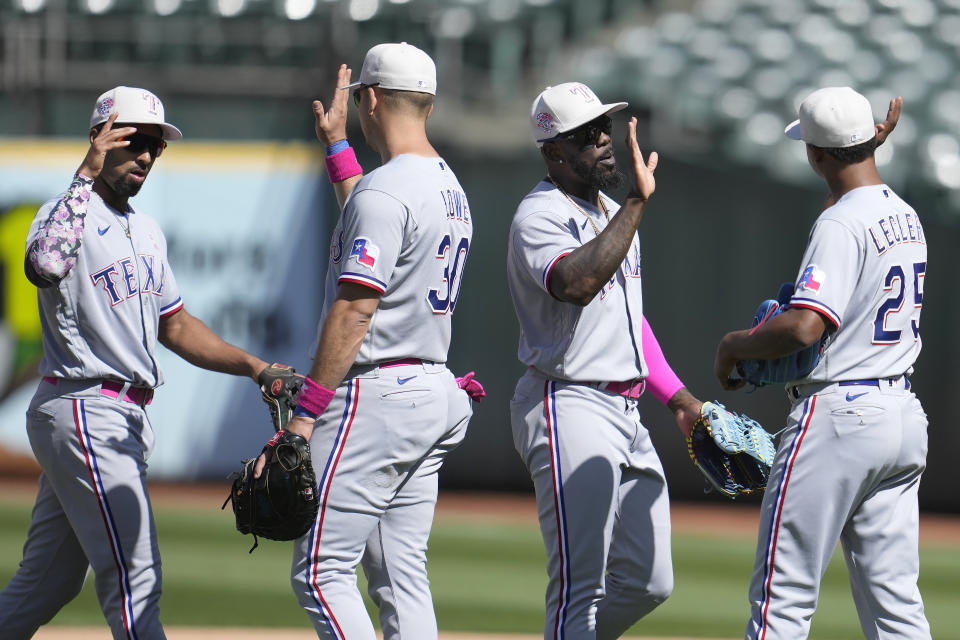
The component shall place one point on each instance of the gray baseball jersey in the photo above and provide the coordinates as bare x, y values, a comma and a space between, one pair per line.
410, 245
863, 269
87, 422
601, 341
849, 463
101, 321
601, 493
405, 232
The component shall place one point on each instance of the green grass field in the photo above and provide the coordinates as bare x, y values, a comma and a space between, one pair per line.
487, 575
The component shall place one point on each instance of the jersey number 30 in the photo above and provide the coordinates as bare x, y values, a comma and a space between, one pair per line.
444, 299
894, 282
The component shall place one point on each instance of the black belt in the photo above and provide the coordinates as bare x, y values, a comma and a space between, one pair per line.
872, 382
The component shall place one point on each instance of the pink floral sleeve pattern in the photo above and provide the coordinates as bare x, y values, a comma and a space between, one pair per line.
55, 250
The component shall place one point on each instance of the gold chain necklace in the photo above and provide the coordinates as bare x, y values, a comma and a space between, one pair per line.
589, 218
125, 227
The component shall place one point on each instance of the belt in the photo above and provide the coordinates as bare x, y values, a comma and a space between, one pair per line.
875, 382
112, 389
794, 391
628, 388
402, 362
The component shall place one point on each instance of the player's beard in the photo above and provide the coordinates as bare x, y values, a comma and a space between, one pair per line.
125, 187
598, 176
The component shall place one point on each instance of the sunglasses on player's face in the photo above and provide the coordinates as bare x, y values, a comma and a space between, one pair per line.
589, 133
141, 141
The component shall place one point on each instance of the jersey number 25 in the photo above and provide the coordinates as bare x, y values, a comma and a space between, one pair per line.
895, 282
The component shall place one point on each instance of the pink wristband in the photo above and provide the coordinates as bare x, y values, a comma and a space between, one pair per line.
313, 397
662, 382
343, 165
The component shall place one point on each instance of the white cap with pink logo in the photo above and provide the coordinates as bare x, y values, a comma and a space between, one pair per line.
565, 107
135, 106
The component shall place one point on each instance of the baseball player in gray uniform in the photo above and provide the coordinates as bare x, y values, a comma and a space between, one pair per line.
106, 294
849, 463
573, 266
379, 405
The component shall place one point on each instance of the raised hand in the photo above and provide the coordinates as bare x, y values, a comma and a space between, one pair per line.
885, 128
331, 125
105, 140
644, 183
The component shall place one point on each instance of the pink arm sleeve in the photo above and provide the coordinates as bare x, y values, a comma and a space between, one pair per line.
661, 380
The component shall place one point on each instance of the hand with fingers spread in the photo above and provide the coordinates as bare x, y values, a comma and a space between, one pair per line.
885, 128
105, 140
331, 125
644, 183
331, 128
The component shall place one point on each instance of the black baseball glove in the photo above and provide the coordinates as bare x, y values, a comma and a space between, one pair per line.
282, 503
279, 385
733, 451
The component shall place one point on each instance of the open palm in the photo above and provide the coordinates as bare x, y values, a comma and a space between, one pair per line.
644, 184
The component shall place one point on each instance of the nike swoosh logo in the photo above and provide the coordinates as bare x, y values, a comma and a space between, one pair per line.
104, 230
405, 380
584, 225
853, 396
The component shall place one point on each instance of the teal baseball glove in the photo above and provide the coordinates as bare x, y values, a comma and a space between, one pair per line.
781, 370
732, 451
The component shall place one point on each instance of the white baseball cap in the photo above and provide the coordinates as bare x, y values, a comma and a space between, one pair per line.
565, 107
832, 118
400, 66
135, 106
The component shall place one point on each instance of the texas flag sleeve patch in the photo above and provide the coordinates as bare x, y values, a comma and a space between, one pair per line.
365, 252
811, 280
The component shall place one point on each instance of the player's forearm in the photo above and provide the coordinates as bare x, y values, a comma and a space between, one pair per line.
683, 400
782, 335
343, 188
192, 340
54, 252
580, 276
344, 329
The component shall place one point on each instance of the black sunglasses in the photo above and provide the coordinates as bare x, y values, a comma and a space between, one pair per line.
587, 134
358, 92
141, 141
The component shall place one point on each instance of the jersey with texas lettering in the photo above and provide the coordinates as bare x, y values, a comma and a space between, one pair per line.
101, 320
863, 270
405, 232
598, 342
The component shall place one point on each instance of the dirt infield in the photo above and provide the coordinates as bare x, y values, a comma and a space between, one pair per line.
720, 518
